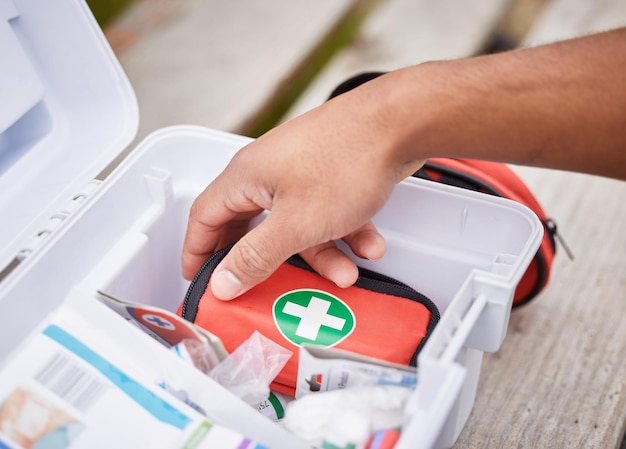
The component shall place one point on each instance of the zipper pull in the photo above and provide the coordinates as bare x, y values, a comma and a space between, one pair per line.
551, 226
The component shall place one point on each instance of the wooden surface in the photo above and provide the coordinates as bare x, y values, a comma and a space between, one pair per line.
563, 19
211, 62
405, 32
559, 380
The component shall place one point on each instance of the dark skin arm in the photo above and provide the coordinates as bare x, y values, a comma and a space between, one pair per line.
559, 106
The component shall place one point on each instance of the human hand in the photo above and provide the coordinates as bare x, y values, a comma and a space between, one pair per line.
321, 176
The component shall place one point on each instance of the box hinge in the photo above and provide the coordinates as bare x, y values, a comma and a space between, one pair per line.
56, 219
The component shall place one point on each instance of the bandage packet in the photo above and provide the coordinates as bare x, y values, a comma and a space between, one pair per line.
327, 369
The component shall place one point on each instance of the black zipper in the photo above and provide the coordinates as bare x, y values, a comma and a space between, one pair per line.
197, 288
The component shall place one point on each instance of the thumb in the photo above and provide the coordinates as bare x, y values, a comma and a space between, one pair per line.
251, 260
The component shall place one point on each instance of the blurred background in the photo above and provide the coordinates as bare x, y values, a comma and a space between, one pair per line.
243, 66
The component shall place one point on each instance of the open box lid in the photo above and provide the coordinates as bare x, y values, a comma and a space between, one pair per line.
66, 110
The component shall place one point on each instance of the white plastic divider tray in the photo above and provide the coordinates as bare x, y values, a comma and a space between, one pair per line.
466, 251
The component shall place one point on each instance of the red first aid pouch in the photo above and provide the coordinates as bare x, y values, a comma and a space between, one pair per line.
377, 317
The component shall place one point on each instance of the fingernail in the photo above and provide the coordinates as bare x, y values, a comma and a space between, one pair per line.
225, 285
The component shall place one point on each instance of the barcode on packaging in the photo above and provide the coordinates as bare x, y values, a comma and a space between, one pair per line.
67, 378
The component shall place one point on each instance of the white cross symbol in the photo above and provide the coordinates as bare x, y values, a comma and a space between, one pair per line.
313, 317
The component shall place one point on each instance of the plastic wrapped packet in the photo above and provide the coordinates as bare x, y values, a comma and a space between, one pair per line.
250, 369
197, 353
310, 418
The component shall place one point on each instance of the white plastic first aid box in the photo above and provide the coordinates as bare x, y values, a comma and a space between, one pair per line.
67, 109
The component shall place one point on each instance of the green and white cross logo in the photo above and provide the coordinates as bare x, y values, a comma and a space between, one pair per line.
313, 316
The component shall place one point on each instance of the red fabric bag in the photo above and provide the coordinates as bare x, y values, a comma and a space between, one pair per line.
377, 317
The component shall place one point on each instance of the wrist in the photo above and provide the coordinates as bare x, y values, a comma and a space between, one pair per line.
413, 107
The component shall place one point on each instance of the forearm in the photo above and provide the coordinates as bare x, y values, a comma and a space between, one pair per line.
559, 106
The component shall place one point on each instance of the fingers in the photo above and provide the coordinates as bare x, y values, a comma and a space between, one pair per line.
212, 240
331, 263
251, 260
309, 174
258, 254
366, 242
214, 222
201, 240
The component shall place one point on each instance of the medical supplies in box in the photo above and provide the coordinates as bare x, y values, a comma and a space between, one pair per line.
68, 234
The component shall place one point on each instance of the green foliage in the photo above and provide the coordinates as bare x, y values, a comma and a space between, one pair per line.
288, 92
106, 10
